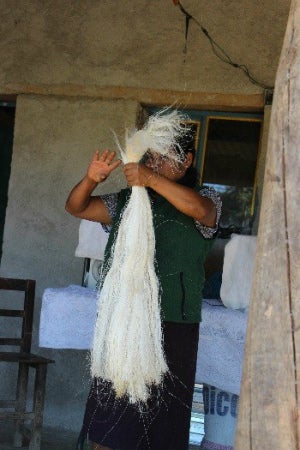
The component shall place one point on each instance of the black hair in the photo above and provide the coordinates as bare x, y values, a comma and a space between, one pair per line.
186, 144
190, 177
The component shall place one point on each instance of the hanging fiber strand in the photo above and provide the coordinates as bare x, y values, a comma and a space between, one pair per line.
128, 343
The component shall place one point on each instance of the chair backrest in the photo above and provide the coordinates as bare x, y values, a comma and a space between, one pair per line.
25, 312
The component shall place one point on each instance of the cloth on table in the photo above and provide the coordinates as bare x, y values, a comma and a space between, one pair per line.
221, 346
238, 271
89, 234
68, 318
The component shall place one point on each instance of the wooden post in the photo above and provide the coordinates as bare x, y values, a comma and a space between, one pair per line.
269, 404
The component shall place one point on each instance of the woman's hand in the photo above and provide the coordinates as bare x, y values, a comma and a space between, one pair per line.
183, 198
138, 174
80, 202
102, 165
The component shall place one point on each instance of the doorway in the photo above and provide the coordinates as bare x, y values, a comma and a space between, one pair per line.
7, 119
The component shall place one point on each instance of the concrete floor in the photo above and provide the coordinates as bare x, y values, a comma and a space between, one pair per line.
52, 439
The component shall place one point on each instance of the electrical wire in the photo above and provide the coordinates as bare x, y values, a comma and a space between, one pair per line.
218, 50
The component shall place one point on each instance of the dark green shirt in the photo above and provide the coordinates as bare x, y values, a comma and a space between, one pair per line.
180, 252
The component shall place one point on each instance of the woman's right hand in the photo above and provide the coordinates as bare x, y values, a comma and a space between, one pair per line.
102, 165
80, 202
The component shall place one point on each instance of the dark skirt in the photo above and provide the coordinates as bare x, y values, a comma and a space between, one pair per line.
164, 423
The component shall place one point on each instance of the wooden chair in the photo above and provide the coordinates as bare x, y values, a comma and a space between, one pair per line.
17, 409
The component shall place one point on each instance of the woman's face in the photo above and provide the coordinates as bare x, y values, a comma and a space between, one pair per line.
167, 166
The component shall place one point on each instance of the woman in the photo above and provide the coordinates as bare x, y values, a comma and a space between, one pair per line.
185, 219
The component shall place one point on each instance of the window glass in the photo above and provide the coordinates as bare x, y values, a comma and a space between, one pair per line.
229, 165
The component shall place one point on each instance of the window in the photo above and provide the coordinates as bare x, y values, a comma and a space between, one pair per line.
228, 163
227, 153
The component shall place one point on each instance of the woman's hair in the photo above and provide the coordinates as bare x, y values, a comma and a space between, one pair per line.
190, 177
186, 144
186, 141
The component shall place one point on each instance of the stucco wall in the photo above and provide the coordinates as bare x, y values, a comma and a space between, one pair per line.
138, 44
54, 140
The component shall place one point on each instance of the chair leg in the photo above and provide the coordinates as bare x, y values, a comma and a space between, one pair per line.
38, 406
22, 384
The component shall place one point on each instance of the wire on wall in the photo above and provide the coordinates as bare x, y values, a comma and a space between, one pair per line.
217, 49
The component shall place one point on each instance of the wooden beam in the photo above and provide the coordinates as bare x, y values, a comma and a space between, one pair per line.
146, 96
269, 404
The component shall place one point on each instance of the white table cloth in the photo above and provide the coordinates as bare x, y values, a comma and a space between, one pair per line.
68, 317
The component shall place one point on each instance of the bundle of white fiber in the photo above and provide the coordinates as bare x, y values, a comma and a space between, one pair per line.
128, 345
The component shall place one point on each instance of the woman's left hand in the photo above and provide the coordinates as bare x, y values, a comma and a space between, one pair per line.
138, 174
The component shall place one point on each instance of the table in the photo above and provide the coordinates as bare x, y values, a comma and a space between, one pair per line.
68, 317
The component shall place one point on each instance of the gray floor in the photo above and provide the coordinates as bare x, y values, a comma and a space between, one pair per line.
53, 439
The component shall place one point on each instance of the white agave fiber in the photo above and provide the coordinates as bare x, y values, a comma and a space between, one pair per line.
127, 348
158, 134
